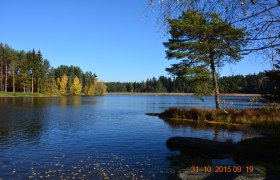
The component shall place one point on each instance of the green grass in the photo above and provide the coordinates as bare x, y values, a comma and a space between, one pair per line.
21, 94
264, 119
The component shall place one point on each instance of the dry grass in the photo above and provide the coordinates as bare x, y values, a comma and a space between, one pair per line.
265, 119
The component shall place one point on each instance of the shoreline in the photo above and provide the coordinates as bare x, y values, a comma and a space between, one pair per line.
265, 120
177, 94
21, 94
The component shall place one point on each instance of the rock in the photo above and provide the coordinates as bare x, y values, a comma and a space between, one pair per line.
198, 145
152, 114
244, 150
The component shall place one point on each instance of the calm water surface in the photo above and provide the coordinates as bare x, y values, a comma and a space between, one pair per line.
98, 137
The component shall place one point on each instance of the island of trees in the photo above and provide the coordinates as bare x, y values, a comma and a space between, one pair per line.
29, 72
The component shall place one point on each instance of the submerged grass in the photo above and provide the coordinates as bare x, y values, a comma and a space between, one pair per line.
265, 119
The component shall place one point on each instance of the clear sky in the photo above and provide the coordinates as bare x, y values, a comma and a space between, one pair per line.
117, 40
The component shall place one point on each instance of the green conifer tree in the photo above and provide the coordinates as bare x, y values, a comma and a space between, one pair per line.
203, 43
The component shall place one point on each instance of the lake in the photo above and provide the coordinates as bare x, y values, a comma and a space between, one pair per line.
101, 137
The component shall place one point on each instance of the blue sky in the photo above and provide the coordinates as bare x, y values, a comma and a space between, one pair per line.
117, 40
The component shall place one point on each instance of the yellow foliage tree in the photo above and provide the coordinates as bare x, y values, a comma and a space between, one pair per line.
51, 87
86, 90
76, 86
62, 84
90, 89
58, 82
100, 89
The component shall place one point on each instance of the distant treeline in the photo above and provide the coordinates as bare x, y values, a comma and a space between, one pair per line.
22, 71
252, 83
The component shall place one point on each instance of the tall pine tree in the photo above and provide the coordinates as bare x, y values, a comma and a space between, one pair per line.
203, 43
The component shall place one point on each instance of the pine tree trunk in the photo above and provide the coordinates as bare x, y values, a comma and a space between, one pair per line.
38, 87
32, 85
6, 77
1, 83
14, 77
215, 81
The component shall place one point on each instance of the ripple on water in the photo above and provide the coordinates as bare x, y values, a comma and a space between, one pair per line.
93, 137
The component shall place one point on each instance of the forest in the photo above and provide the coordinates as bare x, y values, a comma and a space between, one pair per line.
249, 84
29, 72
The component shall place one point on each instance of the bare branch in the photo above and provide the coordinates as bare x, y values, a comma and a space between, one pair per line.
258, 49
261, 12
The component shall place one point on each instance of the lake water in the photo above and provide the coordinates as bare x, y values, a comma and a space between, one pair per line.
99, 137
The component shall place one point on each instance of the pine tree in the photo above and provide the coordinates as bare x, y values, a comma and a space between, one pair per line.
202, 43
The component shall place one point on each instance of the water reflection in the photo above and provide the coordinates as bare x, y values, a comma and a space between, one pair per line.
94, 137
220, 132
41, 102
17, 125
72, 100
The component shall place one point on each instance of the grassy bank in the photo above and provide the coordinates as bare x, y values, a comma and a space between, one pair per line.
266, 120
22, 94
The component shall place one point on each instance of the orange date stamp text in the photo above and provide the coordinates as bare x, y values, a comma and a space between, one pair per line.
223, 169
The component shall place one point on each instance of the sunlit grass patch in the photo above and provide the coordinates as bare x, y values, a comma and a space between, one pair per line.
20, 94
